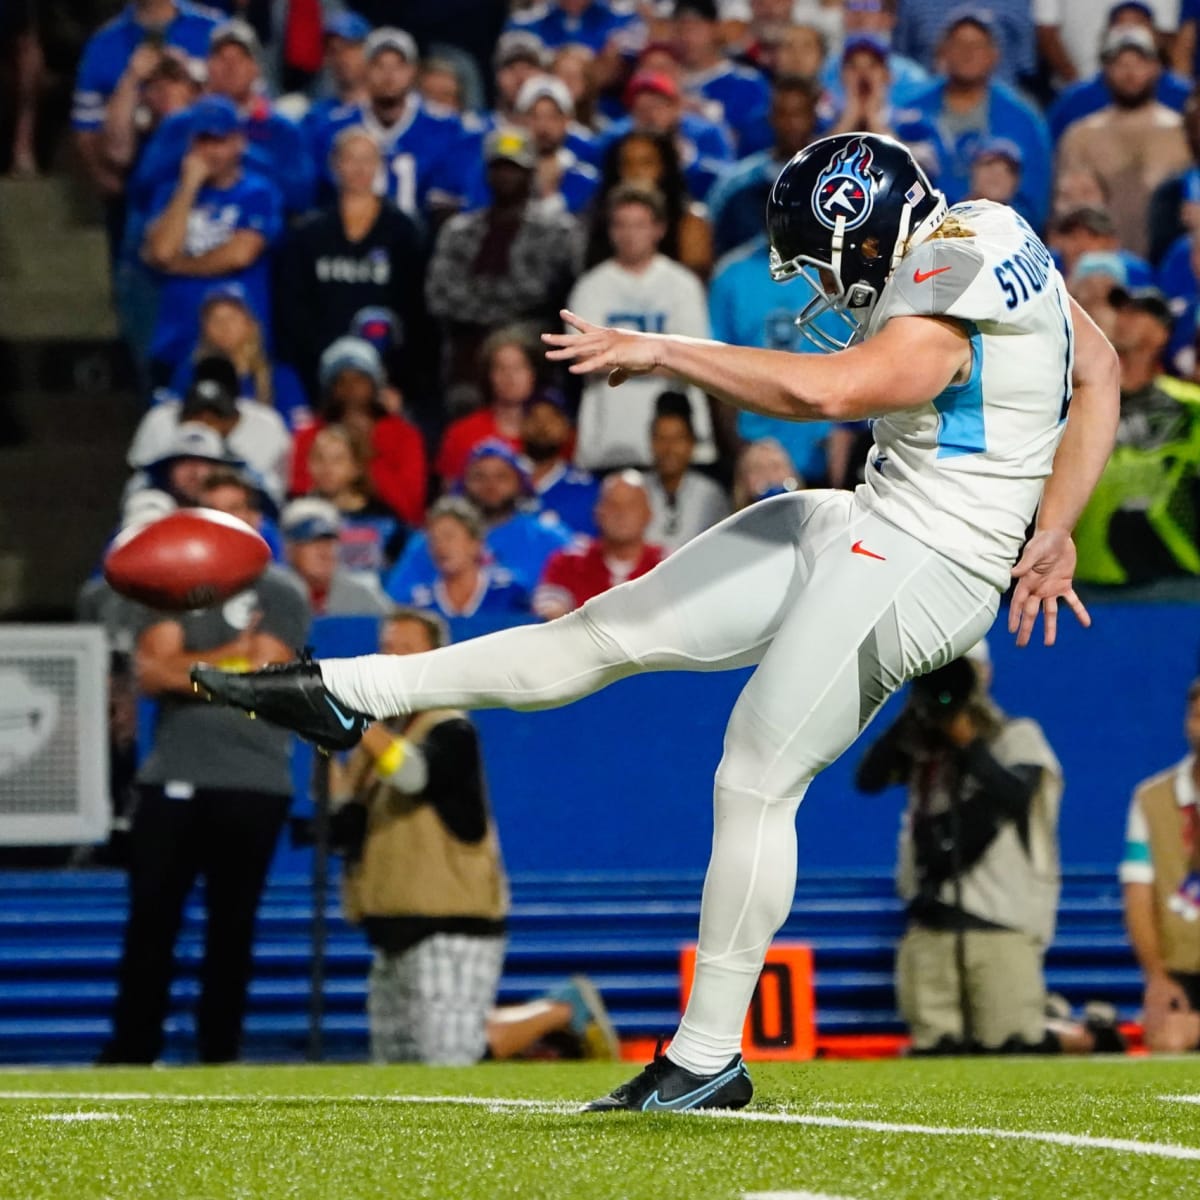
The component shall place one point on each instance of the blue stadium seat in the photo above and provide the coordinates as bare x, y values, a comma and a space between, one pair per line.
60, 937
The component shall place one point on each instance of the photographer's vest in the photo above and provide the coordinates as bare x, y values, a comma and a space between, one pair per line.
1166, 824
412, 865
1015, 884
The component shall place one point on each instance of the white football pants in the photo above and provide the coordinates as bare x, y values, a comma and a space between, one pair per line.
836, 607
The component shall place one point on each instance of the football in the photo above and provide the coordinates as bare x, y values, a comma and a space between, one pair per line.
192, 558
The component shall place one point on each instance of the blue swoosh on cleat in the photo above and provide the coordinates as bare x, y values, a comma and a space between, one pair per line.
346, 722
692, 1098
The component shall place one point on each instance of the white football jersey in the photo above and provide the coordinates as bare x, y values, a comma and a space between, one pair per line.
964, 473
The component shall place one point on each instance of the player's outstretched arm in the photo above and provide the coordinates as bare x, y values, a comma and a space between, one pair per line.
1046, 569
906, 364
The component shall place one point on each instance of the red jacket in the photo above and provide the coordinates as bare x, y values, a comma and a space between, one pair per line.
462, 436
398, 470
578, 572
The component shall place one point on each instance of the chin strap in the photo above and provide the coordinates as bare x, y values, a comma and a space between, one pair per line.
836, 243
901, 245
927, 227
906, 242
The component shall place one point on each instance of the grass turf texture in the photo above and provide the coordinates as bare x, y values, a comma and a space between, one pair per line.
345, 1131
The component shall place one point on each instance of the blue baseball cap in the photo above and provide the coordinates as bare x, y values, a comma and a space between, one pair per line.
999, 147
870, 42
231, 292
969, 14
495, 448
551, 396
1102, 262
309, 519
347, 25
215, 116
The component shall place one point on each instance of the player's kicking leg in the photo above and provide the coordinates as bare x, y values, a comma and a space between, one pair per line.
712, 605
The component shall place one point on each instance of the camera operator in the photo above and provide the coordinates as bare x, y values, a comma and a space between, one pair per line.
424, 878
978, 865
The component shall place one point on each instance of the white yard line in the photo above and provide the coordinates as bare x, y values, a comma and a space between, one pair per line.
296, 1098
854, 1104
80, 1116
18, 1095
791, 1196
1051, 1137
1181, 1099
1048, 1137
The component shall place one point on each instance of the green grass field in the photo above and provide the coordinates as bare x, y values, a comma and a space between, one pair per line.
999, 1128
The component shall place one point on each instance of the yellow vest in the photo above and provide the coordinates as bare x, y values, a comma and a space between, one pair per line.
412, 865
1179, 940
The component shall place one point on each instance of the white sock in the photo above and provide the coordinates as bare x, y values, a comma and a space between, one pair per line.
748, 894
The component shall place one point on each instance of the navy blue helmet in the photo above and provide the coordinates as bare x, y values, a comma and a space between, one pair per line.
842, 214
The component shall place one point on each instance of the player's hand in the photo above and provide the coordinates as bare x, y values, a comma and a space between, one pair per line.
1044, 576
621, 352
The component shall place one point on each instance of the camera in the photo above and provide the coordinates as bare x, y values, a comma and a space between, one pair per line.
943, 693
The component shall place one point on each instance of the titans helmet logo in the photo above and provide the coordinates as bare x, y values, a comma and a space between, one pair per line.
845, 188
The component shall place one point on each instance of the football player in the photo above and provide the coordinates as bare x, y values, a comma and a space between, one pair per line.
994, 401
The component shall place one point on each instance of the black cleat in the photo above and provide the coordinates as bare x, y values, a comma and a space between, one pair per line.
665, 1087
289, 694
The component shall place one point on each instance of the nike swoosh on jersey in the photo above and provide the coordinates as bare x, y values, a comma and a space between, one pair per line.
859, 548
692, 1098
347, 722
920, 276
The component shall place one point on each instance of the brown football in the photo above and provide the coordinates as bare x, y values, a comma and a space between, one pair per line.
192, 558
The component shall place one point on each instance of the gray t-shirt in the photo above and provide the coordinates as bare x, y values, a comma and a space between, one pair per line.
356, 594
699, 504
956, 127
197, 744
98, 604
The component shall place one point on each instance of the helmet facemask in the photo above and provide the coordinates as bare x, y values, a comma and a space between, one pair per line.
847, 306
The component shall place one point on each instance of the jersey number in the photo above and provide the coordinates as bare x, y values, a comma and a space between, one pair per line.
403, 183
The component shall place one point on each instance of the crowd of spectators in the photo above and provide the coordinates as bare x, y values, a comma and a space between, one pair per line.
334, 248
